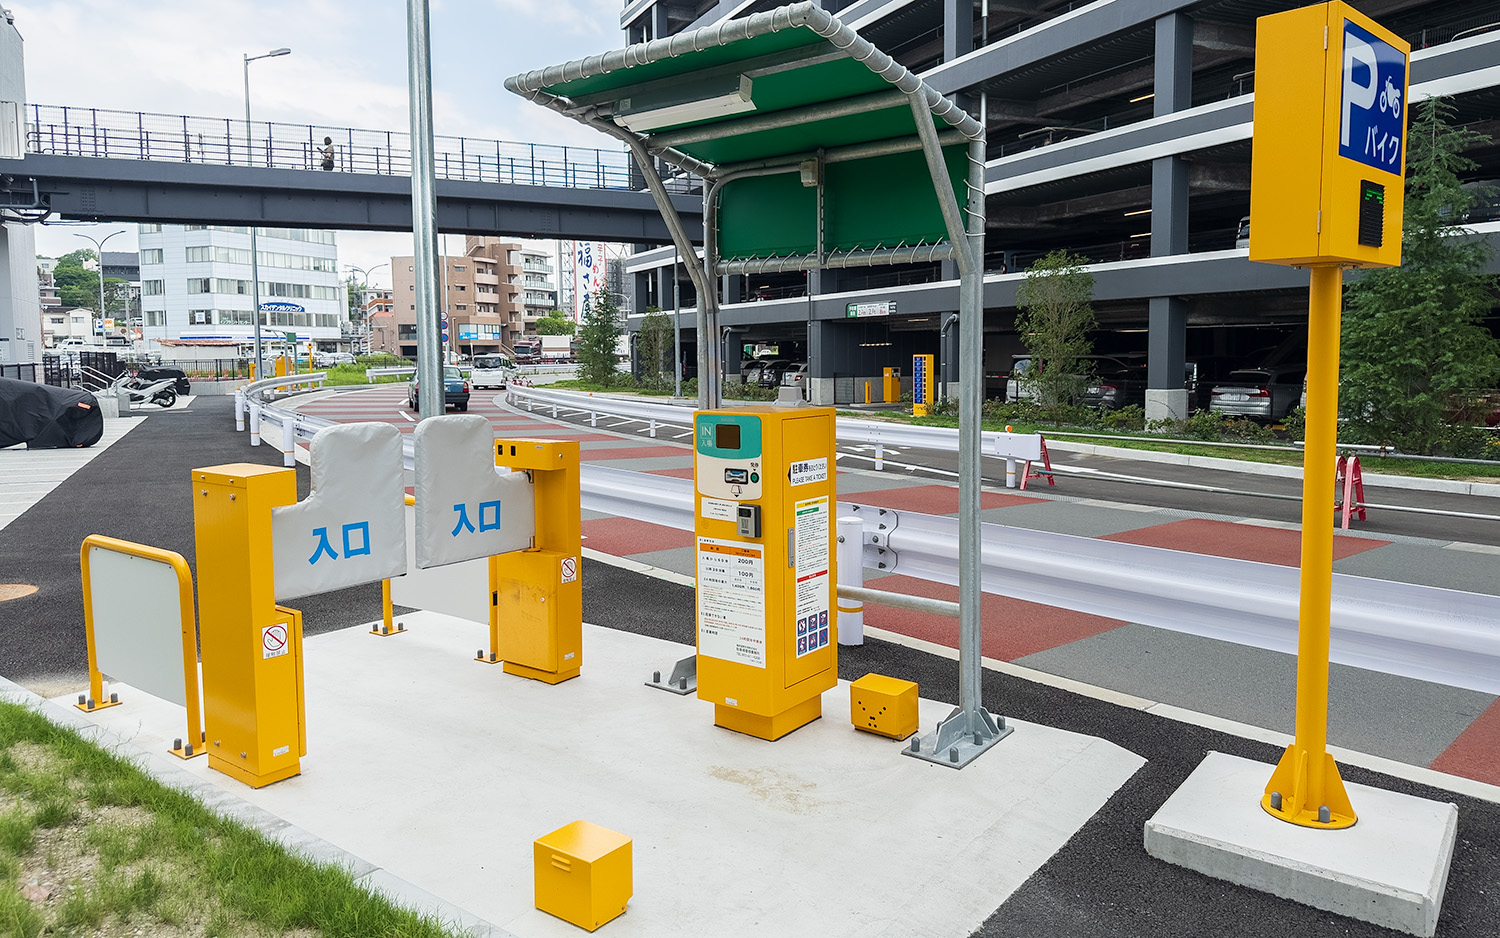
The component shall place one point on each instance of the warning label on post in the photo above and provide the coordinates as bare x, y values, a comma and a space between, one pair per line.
732, 601
273, 643
569, 571
812, 543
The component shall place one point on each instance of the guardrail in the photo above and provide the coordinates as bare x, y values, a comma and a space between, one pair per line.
1445, 636
880, 433
372, 373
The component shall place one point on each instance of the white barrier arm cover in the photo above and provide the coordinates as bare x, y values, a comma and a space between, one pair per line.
466, 507
351, 528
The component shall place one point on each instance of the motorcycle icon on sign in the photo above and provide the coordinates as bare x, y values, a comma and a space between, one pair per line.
1390, 98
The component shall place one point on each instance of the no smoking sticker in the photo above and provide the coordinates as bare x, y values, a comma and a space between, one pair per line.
273, 641
569, 569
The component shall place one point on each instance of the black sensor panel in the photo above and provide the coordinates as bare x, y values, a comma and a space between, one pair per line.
1371, 213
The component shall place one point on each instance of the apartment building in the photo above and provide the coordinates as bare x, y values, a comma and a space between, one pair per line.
1118, 130
196, 283
495, 291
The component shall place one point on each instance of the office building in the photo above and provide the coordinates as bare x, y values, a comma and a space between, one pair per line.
196, 283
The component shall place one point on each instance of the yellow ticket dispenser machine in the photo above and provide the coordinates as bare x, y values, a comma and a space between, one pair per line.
766, 610
536, 598
891, 385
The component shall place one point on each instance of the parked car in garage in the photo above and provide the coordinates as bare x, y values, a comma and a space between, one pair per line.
1115, 383
795, 376
770, 374
1265, 393
455, 390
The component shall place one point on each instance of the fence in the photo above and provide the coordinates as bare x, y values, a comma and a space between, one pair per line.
137, 135
21, 372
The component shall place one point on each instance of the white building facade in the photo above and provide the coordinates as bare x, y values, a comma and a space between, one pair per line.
196, 283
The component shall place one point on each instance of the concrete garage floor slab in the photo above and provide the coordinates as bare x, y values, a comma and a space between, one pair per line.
1390, 868
442, 771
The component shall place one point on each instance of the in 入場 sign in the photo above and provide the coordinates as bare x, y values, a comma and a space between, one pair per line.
1371, 121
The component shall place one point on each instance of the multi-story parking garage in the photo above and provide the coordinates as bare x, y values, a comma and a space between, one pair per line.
1119, 130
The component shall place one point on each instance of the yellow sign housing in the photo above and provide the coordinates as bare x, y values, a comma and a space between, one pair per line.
1328, 169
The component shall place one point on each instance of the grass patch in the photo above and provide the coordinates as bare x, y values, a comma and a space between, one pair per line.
89, 842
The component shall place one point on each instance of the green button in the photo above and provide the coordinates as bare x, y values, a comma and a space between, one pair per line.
754, 477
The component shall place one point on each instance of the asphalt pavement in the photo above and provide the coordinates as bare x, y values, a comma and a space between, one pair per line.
1100, 883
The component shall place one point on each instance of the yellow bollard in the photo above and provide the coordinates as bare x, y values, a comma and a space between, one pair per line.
387, 626
867, 392
1306, 788
252, 648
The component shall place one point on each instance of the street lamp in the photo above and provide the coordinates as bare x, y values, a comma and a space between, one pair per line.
363, 290
99, 246
254, 252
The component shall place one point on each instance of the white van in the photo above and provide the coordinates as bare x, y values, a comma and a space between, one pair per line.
492, 371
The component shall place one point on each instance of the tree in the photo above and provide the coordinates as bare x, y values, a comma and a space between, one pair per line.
1413, 336
556, 322
598, 340
654, 349
1054, 321
77, 286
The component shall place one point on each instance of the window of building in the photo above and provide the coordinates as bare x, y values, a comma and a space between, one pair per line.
153, 287
460, 306
200, 254
458, 267
154, 317
406, 330
200, 285
411, 286
461, 288
151, 255
150, 229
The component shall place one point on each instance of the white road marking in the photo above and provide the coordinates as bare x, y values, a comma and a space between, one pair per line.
407, 416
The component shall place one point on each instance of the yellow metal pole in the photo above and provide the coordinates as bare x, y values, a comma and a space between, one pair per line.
1306, 788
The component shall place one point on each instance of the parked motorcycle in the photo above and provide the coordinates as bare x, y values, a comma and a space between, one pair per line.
162, 393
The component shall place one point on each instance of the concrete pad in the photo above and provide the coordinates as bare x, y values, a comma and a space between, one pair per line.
1390, 868
442, 771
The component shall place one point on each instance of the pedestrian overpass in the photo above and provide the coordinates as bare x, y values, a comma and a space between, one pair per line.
100, 165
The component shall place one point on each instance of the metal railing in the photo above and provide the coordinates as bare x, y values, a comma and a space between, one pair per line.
224, 141
1422, 632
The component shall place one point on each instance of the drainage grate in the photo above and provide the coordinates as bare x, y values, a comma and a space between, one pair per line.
15, 590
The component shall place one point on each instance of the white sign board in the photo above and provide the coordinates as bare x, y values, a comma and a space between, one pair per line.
732, 601
466, 507
137, 612
351, 528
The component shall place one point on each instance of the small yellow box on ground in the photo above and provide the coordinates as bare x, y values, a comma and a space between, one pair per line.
583, 873
883, 705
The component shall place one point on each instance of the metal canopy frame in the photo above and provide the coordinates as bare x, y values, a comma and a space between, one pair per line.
616, 89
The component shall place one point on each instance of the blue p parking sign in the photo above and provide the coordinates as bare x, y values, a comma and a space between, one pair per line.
1373, 117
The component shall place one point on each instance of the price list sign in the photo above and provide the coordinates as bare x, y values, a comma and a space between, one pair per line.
732, 601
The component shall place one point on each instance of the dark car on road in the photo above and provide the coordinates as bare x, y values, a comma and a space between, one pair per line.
455, 390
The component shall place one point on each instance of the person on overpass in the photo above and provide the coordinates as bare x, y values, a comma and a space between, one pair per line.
328, 153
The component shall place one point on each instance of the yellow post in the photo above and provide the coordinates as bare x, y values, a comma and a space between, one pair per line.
1306, 788
252, 648
537, 594
387, 626
867, 392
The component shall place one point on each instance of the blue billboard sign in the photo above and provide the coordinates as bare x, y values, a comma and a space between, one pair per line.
1372, 118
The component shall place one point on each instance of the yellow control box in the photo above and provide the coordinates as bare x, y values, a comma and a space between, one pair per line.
766, 612
1328, 167
583, 874
883, 705
890, 382
536, 596
251, 647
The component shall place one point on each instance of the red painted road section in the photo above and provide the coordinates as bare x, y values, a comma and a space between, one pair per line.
932, 499
1476, 752
624, 536
1010, 628
1239, 541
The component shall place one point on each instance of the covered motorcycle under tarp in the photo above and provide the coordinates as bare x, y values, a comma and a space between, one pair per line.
46, 417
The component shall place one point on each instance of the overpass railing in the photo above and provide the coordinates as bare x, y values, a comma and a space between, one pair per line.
224, 141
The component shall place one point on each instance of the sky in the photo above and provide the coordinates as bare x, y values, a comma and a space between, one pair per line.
347, 68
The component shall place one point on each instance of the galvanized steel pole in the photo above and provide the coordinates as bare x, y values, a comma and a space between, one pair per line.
254, 255
423, 210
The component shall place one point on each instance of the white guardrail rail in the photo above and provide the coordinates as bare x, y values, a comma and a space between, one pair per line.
1446, 636
1013, 446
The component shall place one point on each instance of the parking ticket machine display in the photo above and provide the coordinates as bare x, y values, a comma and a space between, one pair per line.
766, 611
